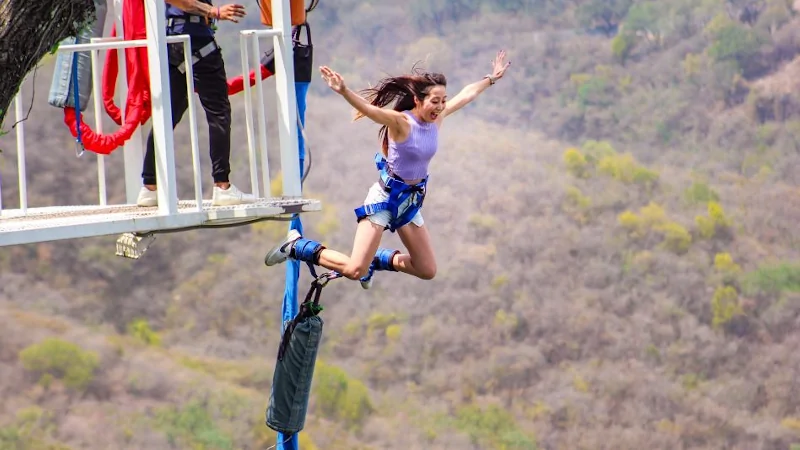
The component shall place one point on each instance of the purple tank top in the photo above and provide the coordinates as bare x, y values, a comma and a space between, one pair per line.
409, 159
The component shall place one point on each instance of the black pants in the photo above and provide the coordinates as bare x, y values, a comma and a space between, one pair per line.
211, 84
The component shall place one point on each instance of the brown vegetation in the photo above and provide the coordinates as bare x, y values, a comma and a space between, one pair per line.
617, 242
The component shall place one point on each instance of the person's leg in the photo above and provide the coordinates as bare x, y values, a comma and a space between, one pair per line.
179, 102
385, 257
388, 260
212, 89
365, 244
420, 260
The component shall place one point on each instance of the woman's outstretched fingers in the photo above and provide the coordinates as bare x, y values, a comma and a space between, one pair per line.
498, 67
333, 79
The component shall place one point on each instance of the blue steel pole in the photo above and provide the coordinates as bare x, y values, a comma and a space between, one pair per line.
290, 306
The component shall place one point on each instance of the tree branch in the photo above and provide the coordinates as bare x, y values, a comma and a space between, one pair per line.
43, 23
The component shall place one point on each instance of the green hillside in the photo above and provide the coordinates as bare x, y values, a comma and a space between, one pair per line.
615, 224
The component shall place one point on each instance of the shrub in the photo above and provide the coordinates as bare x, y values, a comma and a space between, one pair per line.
724, 306
576, 163
60, 359
677, 238
653, 218
193, 426
732, 41
625, 169
577, 204
724, 263
493, 426
340, 396
631, 222
140, 329
393, 332
621, 47
653, 215
379, 322
700, 192
716, 221
773, 279
597, 150
705, 227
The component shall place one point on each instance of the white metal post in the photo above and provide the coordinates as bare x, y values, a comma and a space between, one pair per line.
187, 61
23, 178
98, 121
133, 154
160, 95
287, 102
262, 116
248, 111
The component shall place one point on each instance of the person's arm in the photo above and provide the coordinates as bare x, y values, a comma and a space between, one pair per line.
194, 7
388, 117
225, 12
471, 91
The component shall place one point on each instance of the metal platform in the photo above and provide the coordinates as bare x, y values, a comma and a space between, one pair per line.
28, 225
72, 222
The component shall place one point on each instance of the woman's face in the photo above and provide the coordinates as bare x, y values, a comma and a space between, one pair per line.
433, 104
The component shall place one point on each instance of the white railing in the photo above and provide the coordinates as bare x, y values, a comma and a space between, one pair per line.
165, 161
23, 182
98, 120
250, 38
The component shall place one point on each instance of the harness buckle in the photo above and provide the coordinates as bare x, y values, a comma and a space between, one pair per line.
323, 280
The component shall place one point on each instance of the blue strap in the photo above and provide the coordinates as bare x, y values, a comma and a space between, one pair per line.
76, 95
399, 192
380, 161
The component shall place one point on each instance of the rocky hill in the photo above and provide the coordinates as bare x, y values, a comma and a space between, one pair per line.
614, 223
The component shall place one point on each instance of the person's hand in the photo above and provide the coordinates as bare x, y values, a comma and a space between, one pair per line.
333, 79
498, 67
231, 12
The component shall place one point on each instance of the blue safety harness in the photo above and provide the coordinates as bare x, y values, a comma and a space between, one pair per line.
399, 192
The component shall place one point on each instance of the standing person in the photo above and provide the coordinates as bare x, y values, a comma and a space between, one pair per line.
409, 136
197, 18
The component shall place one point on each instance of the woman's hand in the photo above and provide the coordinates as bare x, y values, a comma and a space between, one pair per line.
498, 67
231, 12
333, 79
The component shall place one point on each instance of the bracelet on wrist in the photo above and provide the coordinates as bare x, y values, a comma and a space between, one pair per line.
492, 80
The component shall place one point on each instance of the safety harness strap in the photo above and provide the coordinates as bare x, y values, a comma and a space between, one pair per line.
308, 308
79, 148
199, 54
175, 21
399, 192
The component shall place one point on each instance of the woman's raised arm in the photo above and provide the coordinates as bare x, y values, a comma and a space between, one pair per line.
471, 91
388, 117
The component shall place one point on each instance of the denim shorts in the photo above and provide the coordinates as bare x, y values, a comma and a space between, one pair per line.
376, 194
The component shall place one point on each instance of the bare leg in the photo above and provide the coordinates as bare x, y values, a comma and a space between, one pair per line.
420, 260
365, 244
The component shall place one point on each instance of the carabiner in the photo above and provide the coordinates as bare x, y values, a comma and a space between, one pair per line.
326, 277
79, 148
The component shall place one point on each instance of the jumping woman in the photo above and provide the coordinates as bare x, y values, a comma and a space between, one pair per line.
409, 135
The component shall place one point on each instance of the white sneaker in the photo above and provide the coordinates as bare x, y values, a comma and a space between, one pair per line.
366, 281
230, 196
281, 252
147, 197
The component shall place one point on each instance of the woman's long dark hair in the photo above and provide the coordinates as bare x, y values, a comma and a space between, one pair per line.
401, 89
